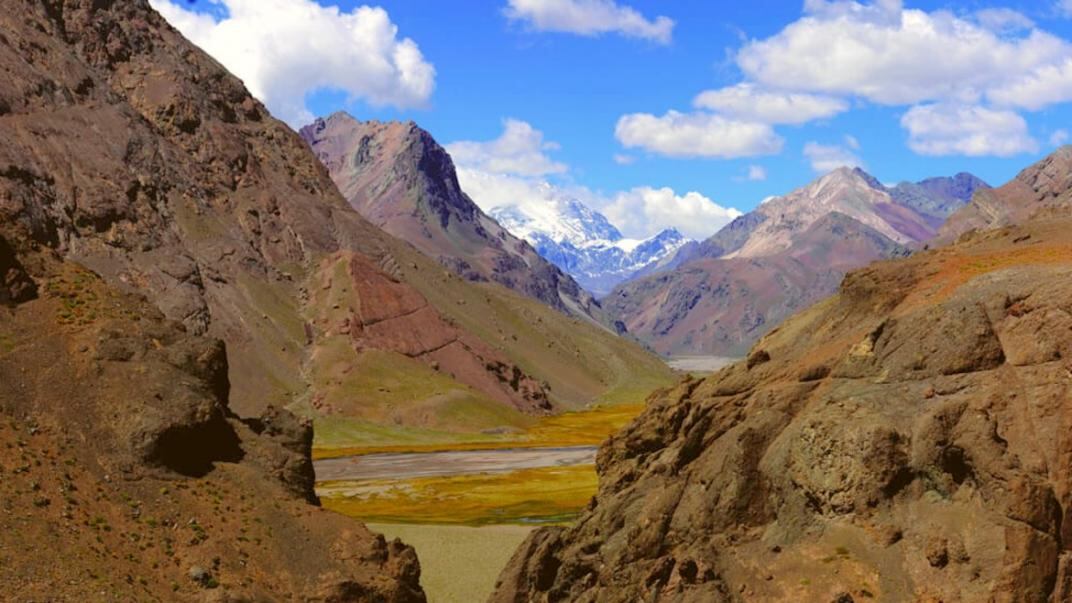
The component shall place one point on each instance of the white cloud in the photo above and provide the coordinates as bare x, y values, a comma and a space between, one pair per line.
513, 171
589, 18
1059, 137
623, 159
893, 56
1043, 86
851, 142
638, 213
953, 129
1003, 20
826, 158
756, 173
520, 150
643, 212
1064, 7
747, 102
285, 49
697, 135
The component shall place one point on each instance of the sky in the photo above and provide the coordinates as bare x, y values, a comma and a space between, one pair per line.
667, 113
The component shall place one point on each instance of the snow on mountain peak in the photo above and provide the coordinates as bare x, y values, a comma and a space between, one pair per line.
582, 242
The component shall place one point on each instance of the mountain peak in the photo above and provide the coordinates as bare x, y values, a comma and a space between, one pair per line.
582, 242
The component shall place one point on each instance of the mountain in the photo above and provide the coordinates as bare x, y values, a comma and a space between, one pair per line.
127, 150
398, 177
582, 242
900, 441
1045, 185
720, 296
176, 268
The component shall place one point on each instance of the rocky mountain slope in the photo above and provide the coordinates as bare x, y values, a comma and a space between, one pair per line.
398, 177
786, 254
1042, 186
904, 440
126, 476
582, 242
134, 154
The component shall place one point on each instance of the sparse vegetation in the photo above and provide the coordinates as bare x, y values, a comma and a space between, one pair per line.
545, 495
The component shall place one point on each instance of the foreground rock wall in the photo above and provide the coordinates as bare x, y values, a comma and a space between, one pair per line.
906, 440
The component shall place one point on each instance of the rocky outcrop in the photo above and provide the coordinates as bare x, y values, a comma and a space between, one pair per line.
132, 468
905, 440
397, 176
791, 251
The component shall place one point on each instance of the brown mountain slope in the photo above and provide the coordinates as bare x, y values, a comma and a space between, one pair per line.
396, 175
905, 440
130, 151
786, 254
125, 476
1046, 184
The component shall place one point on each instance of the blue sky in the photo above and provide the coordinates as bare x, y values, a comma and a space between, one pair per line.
492, 63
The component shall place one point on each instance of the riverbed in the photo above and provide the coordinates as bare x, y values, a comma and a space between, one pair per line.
700, 364
466, 462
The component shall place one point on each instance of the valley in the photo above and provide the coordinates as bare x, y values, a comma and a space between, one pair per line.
488, 493
253, 359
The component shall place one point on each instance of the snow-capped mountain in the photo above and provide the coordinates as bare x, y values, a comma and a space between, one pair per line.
582, 242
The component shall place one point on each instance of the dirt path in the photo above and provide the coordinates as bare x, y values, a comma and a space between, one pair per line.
430, 464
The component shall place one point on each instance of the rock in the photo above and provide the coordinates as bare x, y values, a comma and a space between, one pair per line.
926, 465
15, 284
937, 552
199, 575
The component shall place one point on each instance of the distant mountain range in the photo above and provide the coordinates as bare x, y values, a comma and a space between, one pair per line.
582, 242
721, 295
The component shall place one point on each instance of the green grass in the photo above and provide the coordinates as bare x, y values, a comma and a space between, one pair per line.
548, 495
581, 362
335, 437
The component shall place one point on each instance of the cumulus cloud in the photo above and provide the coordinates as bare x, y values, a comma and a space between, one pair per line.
697, 135
520, 150
1041, 87
515, 171
954, 129
826, 158
756, 173
1059, 137
747, 102
1003, 20
623, 159
286, 49
887, 54
645, 211
589, 18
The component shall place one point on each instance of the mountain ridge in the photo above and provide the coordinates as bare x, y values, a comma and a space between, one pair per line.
708, 301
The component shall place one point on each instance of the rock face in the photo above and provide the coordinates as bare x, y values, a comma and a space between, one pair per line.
125, 461
1045, 185
791, 251
131, 152
905, 440
585, 244
398, 177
